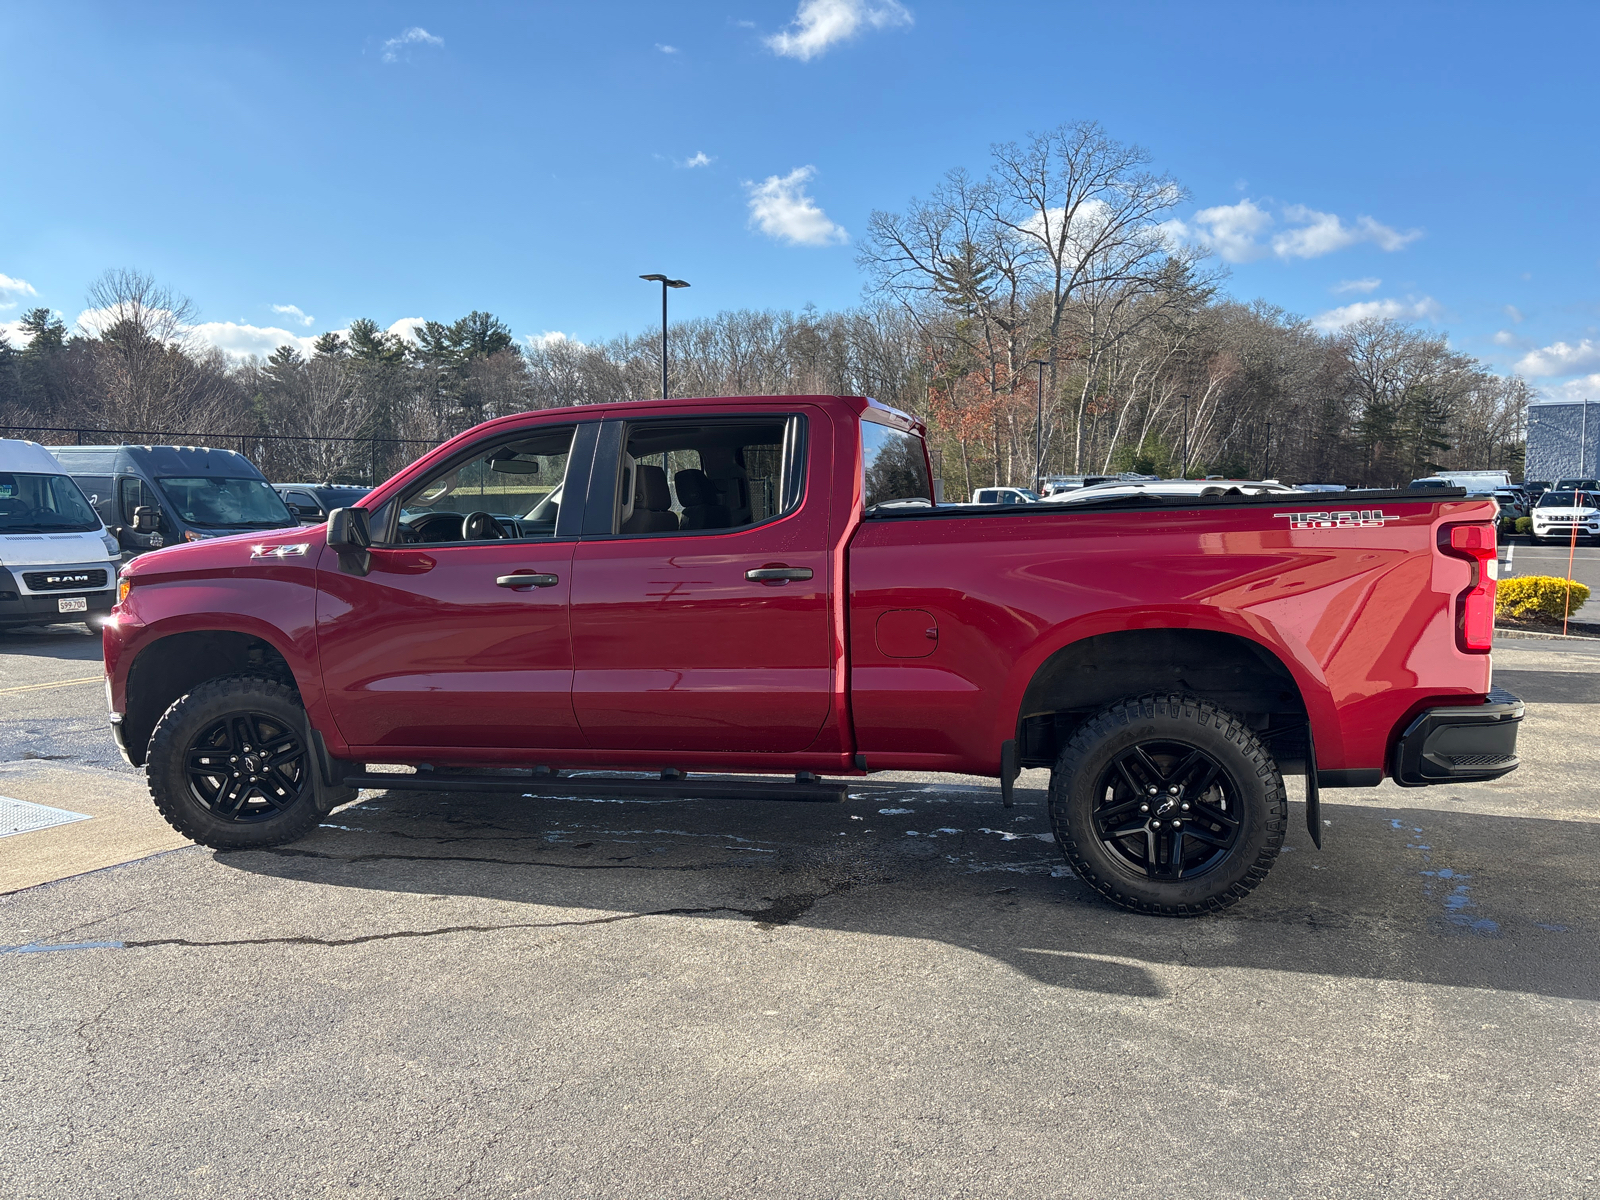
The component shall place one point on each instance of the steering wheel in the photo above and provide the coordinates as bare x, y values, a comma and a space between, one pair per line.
479, 527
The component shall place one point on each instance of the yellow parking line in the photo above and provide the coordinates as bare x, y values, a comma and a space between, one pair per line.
39, 687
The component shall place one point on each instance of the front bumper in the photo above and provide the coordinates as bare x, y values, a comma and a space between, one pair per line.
18, 607
1460, 745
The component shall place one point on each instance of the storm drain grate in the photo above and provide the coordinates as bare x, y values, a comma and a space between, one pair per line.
18, 816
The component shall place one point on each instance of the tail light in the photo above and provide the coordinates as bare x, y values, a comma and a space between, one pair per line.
1475, 606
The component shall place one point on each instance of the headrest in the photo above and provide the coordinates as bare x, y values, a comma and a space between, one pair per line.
719, 463
650, 491
694, 489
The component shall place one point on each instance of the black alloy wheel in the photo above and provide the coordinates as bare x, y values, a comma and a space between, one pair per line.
230, 765
1167, 809
248, 767
1168, 804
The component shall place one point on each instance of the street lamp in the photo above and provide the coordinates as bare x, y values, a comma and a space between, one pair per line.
1183, 471
1267, 474
665, 284
1038, 423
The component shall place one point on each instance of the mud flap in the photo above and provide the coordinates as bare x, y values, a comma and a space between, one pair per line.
1313, 795
1009, 770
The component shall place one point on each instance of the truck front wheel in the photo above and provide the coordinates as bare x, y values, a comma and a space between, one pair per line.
230, 765
1168, 804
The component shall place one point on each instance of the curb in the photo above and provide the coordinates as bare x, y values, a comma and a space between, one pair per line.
1531, 635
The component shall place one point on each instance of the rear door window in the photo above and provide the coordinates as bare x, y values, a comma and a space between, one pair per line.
894, 468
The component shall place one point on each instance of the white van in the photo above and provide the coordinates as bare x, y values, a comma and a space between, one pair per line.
57, 562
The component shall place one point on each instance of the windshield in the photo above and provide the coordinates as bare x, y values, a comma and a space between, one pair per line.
1566, 500
894, 468
226, 503
43, 504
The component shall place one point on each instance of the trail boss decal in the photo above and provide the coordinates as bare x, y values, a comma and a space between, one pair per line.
1365, 518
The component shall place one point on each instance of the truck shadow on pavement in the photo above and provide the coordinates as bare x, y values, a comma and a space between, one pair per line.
1414, 896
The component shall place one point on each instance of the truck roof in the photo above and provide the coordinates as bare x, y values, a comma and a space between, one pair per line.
157, 461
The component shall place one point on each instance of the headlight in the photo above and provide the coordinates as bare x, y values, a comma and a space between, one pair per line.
123, 586
112, 547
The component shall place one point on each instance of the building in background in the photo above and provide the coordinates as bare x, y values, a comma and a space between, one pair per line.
1563, 440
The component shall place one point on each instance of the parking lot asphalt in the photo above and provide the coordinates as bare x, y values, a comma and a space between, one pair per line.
906, 994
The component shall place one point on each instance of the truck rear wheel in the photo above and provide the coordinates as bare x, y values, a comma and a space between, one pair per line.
1168, 804
230, 765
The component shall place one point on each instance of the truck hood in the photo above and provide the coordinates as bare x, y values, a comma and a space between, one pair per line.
1565, 514
229, 553
51, 549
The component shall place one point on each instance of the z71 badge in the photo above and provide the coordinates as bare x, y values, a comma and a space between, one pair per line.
1365, 518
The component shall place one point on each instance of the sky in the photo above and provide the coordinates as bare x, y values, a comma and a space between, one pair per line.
291, 167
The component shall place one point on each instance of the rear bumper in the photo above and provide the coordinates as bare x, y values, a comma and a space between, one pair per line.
1460, 745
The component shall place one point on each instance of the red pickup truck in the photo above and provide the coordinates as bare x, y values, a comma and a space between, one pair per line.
764, 585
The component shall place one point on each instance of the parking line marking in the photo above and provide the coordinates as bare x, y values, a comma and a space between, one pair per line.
39, 687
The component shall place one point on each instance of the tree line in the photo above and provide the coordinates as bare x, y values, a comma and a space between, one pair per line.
1045, 299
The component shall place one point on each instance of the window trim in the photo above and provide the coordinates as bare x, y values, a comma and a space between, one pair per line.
569, 519
604, 502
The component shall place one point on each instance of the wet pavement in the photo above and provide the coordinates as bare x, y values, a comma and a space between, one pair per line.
906, 994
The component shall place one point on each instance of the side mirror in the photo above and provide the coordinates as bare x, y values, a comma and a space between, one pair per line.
349, 535
146, 519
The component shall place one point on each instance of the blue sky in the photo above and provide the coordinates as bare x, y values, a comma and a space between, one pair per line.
282, 161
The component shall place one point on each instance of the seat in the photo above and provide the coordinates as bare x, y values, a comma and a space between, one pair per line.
702, 506
731, 481
652, 502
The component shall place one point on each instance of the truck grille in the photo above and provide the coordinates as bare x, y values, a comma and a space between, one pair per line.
64, 581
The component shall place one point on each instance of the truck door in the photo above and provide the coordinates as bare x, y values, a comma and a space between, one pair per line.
458, 635
700, 594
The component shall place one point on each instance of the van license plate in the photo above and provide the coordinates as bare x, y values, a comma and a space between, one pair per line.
72, 604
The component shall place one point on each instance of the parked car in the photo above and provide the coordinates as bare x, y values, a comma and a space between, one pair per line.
1561, 512
56, 559
1322, 487
764, 584
1005, 495
153, 496
1578, 485
312, 502
1513, 502
1535, 489
1159, 490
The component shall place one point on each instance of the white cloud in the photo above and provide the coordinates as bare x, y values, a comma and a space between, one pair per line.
1561, 359
293, 312
406, 328
1231, 230
1504, 337
13, 333
549, 339
700, 159
1361, 286
238, 340
1515, 313
1390, 310
821, 24
1322, 233
11, 289
665, 49
397, 49
780, 208
1585, 388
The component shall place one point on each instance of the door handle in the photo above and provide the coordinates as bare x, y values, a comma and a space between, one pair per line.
777, 574
527, 581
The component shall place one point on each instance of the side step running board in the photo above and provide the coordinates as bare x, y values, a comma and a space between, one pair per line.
677, 787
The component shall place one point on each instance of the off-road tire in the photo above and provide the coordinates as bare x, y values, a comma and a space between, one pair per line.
1262, 806
173, 740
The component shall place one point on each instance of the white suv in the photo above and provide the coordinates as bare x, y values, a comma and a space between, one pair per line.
1558, 513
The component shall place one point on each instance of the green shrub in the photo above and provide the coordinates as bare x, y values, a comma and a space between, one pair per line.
1524, 524
1538, 596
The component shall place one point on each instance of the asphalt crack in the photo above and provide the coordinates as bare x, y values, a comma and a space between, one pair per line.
783, 910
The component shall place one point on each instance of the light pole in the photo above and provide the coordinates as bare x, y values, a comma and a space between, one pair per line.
665, 284
1267, 474
1038, 424
1183, 471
